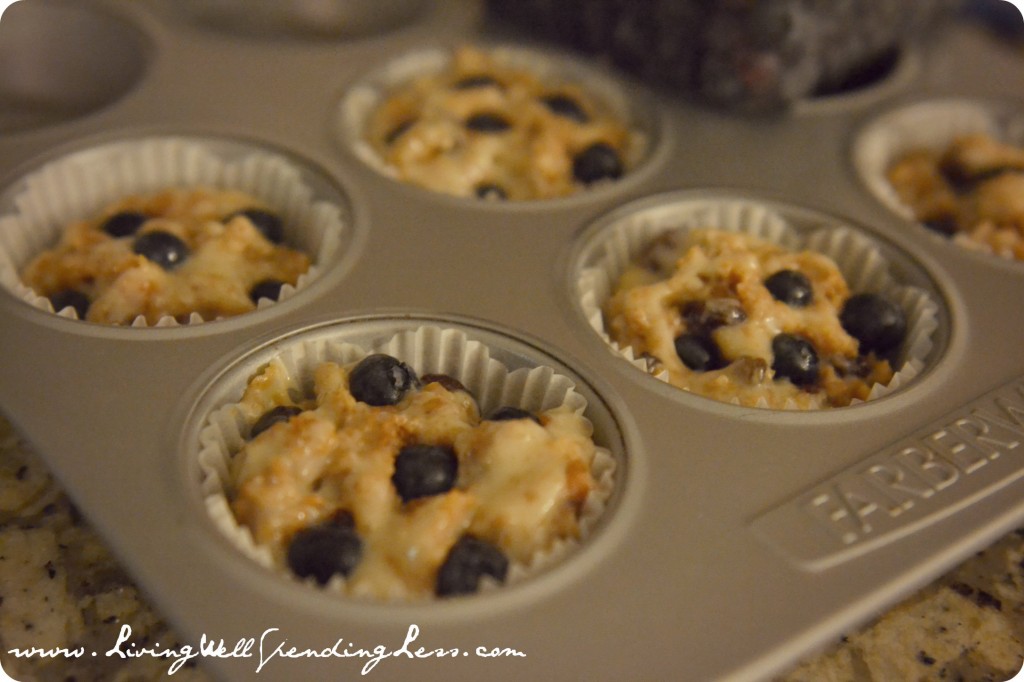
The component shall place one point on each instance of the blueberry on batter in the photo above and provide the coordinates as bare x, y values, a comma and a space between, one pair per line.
469, 560
509, 413
795, 359
790, 287
324, 550
875, 321
163, 248
381, 380
269, 224
124, 224
424, 470
599, 161
71, 297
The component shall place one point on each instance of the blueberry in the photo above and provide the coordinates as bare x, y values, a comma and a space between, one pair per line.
946, 225
281, 413
124, 224
163, 248
70, 297
398, 131
599, 161
380, 379
266, 288
698, 352
565, 106
795, 359
958, 177
469, 560
790, 287
490, 191
488, 123
324, 550
963, 179
269, 224
481, 80
450, 383
875, 321
424, 470
509, 413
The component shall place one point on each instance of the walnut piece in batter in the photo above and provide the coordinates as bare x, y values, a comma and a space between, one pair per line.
180, 251
740, 319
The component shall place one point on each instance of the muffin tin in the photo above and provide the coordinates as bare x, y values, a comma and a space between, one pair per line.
736, 539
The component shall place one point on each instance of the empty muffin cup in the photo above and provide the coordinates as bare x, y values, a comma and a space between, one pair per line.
60, 60
165, 231
953, 166
753, 303
423, 465
495, 123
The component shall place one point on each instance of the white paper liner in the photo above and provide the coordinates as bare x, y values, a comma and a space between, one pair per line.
861, 263
79, 185
429, 350
364, 98
930, 125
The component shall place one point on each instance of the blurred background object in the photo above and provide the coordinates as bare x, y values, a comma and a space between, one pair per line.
740, 55
302, 18
1000, 16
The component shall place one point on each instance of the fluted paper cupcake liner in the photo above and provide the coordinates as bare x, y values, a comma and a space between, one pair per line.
429, 350
79, 185
862, 264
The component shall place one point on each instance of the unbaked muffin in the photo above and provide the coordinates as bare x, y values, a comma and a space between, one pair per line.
397, 484
174, 253
972, 191
484, 127
738, 318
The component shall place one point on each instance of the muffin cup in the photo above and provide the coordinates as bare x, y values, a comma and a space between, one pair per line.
429, 350
366, 96
51, 70
619, 240
79, 185
930, 125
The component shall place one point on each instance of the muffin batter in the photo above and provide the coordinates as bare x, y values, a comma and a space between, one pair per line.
180, 251
401, 481
972, 192
742, 320
485, 129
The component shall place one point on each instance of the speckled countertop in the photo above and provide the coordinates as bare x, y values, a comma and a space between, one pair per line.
61, 588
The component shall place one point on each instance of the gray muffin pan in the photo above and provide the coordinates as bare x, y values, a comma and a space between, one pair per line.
737, 540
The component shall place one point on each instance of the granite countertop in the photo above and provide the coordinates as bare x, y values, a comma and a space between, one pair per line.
61, 587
